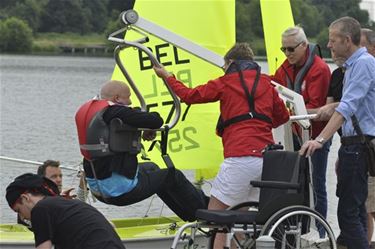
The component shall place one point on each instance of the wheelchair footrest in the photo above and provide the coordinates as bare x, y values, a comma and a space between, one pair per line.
226, 217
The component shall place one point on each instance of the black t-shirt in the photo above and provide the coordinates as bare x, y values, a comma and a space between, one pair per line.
122, 163
72, 224
335, 86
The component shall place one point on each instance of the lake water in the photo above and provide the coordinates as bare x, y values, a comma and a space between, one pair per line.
39, 98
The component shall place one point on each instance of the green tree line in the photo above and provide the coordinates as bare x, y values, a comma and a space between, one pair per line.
23, 20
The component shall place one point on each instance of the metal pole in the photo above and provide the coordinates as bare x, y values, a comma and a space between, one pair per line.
33, 162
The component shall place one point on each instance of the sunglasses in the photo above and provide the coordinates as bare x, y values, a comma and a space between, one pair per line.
290, 49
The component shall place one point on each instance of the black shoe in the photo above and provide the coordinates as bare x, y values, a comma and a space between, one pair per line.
340, 242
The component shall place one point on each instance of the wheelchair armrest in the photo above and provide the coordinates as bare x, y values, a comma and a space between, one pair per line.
244, 204
275, 184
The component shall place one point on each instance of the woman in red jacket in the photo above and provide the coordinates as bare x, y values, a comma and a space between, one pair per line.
249, 108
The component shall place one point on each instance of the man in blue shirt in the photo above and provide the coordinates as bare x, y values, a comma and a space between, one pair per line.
359, 99
368, 41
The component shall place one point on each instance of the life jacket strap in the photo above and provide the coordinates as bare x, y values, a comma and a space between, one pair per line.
243, 117
102, 146
221, 124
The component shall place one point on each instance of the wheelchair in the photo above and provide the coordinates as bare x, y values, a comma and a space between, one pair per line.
284, 217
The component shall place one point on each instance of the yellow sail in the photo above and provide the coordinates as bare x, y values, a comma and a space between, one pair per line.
277, 17
192, 144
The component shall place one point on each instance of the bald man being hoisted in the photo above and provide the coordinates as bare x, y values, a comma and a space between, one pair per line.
110, 159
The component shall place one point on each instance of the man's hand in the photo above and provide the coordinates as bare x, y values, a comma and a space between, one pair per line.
66, 194
324, 113
309, 147
149, 135
161, 72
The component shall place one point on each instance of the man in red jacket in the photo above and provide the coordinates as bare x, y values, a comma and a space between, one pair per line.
307, 74
250, 107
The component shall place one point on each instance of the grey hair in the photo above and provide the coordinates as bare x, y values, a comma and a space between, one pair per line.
348, 26
297, 32
370, 35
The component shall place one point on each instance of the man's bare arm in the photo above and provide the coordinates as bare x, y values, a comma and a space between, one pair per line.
325, 112
329, 100
45, 245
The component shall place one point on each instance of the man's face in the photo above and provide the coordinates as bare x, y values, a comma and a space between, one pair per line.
124, 96
23, 206
364, 43
55, 175
294, 51
338, 44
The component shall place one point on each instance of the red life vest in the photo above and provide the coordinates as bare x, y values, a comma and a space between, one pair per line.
99, 139
93, 132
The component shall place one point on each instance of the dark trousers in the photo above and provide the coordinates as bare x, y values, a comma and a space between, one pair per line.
171, 185
352, 194
319, 165
319, 168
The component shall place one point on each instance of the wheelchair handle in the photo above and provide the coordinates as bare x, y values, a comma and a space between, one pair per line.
275, 184
302, 117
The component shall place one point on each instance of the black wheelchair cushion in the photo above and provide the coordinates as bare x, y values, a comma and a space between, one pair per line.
226, 217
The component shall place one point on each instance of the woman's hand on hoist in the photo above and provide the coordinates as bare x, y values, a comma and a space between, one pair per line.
161, 72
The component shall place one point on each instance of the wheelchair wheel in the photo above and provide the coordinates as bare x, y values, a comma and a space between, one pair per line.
295, 227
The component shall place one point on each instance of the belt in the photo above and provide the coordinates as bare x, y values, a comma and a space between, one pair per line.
354, 140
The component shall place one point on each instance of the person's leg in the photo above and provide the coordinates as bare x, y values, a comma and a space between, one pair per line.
370, 208
145, 187
319, 162
220, 238
170, 185
148, 166
180, 194
352, 193
373, 223
232, 186
370, 226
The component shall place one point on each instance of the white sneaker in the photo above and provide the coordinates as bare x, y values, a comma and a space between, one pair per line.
313, 240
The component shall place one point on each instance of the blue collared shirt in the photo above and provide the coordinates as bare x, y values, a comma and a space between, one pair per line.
359, 93
113, 186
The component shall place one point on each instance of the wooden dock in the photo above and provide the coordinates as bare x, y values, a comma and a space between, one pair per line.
92, 49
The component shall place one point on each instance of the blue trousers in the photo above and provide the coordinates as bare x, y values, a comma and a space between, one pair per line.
352, 194
319, 160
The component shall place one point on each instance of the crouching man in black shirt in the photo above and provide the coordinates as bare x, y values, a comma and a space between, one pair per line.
57, 221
